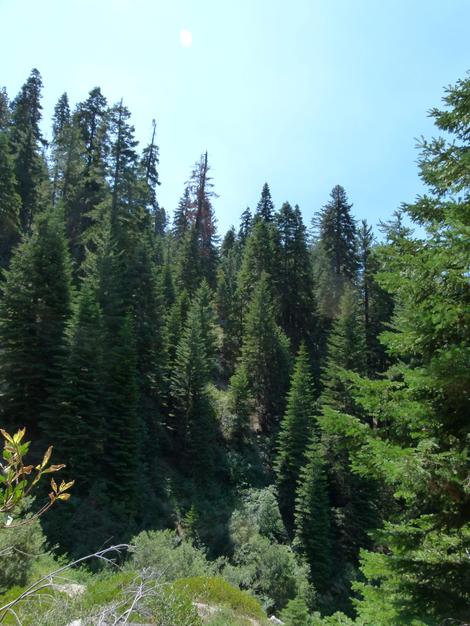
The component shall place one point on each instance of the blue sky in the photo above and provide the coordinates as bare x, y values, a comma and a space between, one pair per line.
303, 94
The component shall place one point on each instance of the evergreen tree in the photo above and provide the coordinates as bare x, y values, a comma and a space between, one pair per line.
395, 229
228, 242
241, 404
10, 203
354, 500
85, 187
336, 257
205, 222
150, 161
182, 218
261, 254
265, 357
143, 294
418, 444
129, 214
123, 424
33, 313
296, 427
297, 301
313, 533
167, 286
5, 115
203, 307
175, 323
346, 351
246, 222
60, 125
377, 304
265, 207
27, 145
76, 422
92, 118
228, 310
68, 170
188, 269
193, 418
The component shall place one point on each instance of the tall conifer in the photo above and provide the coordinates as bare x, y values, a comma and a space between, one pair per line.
297, 425
34, 310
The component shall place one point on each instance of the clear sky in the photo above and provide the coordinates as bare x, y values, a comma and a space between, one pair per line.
303, 94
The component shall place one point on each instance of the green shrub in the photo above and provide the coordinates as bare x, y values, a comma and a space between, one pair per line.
296, 613
270, 571
170, 606
169, 556
105, 587
258, 513
227, 617
19, 548
217, 591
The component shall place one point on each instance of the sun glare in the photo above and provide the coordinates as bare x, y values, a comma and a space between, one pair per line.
186, 38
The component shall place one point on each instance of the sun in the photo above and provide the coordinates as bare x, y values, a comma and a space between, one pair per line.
186, 38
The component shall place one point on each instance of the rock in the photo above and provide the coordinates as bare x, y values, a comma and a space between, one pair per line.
70, 589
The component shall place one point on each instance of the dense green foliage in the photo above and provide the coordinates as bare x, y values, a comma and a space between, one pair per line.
283, 413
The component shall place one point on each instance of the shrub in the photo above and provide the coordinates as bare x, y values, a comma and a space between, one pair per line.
169, 556
259, 513
296, 613
217, 591
270, 571
170, 606
19, 548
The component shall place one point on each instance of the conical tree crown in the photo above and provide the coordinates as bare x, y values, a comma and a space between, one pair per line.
265, 208
296, 428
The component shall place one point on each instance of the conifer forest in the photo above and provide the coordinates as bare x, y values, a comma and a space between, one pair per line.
282, 408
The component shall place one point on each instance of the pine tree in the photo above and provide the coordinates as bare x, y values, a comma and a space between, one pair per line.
296, 428
420, 410
260, 254
89, 188
313, 532
193, 417
92, 118
246, 222
77, 421
123, 424
175, 323
129, 213
377, 305
336, 255
85, 185
10, 203
182, 218
228, 242
205, 221
228, 310
345, 350
265, 208
150, 161
34, 310
265, 357
297, 300
142, 293
241, 404
61, 123
204, 308
189, 272
395, 229
354, 500
5, 115
27, 145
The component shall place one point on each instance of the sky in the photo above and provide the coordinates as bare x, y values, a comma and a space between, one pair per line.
304, 94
